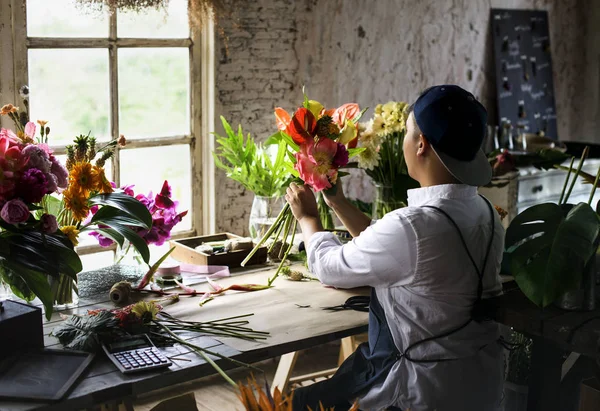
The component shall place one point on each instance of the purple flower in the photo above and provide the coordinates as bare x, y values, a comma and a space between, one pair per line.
14, 212
103, 241
38, 158
49, 224
61, 173
148, 200
52, 185
33, 186
341, 156
128, 189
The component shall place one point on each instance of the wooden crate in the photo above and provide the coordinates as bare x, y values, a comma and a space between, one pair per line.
186, 253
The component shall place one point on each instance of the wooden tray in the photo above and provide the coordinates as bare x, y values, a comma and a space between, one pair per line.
186, 253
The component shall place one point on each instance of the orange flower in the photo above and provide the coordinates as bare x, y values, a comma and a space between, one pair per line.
42, 123
76, 202
82, 177
503, 213
7, 109
101, 182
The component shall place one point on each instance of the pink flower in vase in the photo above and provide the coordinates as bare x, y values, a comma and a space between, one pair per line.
33, 186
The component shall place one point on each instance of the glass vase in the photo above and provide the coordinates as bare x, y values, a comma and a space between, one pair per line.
386, 200
128, 255
263, 214
65, 292
5, 291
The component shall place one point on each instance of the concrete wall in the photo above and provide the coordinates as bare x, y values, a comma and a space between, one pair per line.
374, 51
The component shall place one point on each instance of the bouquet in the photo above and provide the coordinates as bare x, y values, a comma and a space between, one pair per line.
383, 158
164, 214
44, 206
320, 141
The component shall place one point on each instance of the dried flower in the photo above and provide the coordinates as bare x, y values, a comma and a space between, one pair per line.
42, 123
503, 213
8, 109
24, 92
121, 141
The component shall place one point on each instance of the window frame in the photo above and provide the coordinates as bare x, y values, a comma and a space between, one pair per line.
14, 46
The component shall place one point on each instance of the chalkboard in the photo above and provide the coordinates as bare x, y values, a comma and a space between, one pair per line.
525, 91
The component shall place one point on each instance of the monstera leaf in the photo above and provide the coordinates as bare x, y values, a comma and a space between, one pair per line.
547, 247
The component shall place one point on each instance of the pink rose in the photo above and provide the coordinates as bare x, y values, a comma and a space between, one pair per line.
49, 224
14, 212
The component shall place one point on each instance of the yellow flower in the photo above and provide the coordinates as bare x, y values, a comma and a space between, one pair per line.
7, 109
146, 310
101, 183
315, 107
42, 123
72, 233
76, 202
82, 177
348, 133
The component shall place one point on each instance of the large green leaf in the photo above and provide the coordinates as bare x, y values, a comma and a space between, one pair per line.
117, 232
548, 246
108, 215
127, 204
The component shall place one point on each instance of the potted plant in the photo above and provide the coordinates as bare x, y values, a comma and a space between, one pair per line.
549, 246
258, 168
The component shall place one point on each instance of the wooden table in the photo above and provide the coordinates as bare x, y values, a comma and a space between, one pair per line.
276, 310
555, 333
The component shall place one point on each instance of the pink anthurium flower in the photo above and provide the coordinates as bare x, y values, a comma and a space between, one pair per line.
344, 113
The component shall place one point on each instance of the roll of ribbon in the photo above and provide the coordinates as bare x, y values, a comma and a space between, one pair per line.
168, 269
120, 293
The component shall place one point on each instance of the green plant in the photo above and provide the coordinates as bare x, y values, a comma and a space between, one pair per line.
250, 164
548, 245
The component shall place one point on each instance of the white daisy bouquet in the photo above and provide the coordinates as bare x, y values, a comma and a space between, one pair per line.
382, 157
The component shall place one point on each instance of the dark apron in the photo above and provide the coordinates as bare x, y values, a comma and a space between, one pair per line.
366, 367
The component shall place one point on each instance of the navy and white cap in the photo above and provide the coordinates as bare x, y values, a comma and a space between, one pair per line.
454, 123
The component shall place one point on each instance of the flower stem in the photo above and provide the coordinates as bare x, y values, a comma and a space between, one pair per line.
284, 212
594, 187
581, 161
285, 256
286, 234
562, 193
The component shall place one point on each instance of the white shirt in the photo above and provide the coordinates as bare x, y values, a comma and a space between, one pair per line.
426, 284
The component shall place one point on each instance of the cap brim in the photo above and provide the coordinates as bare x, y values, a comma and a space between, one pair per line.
476, 172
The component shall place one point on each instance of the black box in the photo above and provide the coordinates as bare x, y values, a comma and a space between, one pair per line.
20, 328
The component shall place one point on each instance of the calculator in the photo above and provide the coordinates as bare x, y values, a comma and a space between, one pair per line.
135, 354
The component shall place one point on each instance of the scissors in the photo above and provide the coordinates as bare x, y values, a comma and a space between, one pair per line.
356, 303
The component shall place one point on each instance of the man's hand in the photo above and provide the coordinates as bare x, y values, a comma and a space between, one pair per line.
302, 201
337, 198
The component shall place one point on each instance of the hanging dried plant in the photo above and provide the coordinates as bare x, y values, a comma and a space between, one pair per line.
198, 10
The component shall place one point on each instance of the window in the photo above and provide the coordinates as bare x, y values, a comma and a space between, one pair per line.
139, 75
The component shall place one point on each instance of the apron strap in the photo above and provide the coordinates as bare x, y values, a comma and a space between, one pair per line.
476, 314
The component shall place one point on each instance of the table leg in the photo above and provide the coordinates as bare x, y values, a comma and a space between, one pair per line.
284, 371
544, 383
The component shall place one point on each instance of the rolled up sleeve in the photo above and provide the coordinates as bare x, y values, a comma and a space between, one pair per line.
385, 254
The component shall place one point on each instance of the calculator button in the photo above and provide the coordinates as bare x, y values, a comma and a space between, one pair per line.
126, 366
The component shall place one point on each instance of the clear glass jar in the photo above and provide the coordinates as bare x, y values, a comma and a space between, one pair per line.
66, 295
385, 201
263, 214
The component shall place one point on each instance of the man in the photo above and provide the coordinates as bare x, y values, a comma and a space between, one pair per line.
429, 265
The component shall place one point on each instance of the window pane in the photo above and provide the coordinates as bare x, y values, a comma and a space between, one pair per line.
97, 260
170, 23
148, 168
64, 18
154, 92
70, 89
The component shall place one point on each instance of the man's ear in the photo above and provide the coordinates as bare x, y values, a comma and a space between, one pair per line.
422, 145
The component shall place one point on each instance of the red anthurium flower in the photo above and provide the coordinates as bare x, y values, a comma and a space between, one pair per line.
283, 118
303, 126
